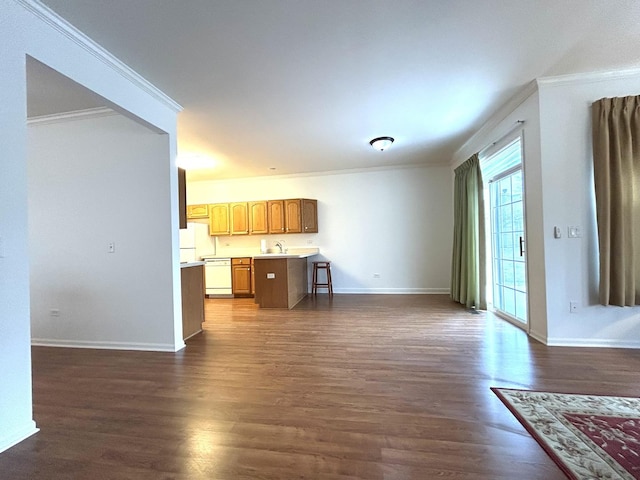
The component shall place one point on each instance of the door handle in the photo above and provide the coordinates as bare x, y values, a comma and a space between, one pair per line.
521, 246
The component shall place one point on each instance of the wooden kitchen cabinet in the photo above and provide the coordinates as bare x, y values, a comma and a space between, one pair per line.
275, 216
309, 216
198, 211
182, 198
239, 218
293, 216
253, 277
258, 223
241, 277
219, 219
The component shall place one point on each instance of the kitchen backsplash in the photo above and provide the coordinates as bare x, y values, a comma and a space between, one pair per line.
252, 243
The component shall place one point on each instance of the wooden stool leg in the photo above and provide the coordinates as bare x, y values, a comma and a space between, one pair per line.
314, 284
329, 280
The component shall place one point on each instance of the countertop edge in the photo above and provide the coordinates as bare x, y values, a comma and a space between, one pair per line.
191, 264
296, 253
275, 256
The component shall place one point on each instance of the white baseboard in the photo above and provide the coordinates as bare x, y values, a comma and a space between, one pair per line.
536, 336
8, 440
391, 291
591, 342
146, 347
584, 342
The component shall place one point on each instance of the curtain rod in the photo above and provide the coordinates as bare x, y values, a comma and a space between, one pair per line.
517, 125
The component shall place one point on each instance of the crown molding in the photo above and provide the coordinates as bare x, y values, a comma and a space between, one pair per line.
70, 116
58, 23
589, 77
490, 125
325, 173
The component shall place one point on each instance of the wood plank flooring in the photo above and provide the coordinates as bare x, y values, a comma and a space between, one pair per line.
354, 387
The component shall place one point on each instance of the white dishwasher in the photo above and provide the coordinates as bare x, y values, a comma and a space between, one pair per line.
217, 276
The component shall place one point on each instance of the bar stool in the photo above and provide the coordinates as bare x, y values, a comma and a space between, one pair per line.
326, 266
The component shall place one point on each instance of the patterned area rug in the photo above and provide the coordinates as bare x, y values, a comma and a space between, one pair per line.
588, 436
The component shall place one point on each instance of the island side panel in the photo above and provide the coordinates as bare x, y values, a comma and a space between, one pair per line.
192, 279
298, 283
271, 292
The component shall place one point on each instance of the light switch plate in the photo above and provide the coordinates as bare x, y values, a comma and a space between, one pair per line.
271, 275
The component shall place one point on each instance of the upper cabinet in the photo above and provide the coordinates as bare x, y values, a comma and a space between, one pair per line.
309, 216
275, 214
293, 216
198, 211
301, 215
258, 223
296, 215
239, 218
219, 219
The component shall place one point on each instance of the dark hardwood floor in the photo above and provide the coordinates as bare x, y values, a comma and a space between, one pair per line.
358, 387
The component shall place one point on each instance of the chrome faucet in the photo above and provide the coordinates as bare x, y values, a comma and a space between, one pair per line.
279, 245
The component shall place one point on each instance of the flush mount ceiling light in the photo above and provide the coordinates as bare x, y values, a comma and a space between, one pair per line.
381, 143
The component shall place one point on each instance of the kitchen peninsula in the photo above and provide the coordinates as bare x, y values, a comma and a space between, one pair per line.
192, 279
281, 278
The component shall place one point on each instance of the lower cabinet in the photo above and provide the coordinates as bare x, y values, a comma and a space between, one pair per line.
241, 277
253, 277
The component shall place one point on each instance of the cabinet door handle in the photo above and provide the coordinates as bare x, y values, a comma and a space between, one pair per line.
521, 246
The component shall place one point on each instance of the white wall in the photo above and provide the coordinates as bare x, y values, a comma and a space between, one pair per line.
397, 223
567, 167
24, 31
15, 356
91, 182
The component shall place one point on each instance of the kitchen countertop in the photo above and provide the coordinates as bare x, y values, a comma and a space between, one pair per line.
285, 255
191, 264
291, 253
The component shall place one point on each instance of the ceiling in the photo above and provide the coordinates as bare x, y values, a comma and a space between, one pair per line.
273, 87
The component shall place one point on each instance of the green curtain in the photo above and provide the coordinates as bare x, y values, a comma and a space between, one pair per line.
468, 263
616, 167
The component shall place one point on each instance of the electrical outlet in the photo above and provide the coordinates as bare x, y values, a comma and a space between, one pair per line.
574, 231
111, 248
573, 307
376, 275
54, 312
309, 242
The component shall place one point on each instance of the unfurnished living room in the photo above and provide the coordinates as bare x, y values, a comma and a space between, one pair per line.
333, 239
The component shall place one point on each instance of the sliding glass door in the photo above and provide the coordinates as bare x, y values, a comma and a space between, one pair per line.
508, 240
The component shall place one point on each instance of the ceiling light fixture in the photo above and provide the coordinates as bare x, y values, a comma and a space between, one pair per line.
381, 143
